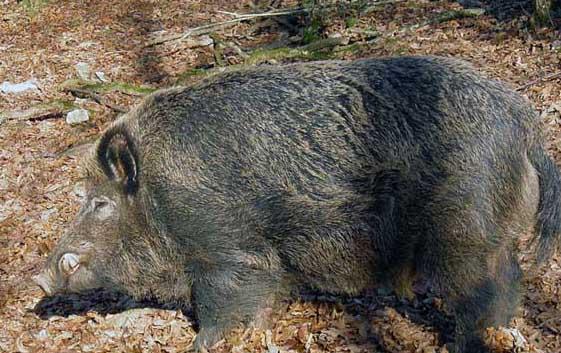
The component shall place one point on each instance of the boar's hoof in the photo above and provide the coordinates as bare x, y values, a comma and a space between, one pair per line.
466, 345
207, 338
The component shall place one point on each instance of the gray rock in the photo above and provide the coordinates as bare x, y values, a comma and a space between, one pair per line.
202, 41
8, 87
77, 116
83, 71
100, 75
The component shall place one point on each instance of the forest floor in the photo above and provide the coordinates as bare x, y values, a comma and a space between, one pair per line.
39, 153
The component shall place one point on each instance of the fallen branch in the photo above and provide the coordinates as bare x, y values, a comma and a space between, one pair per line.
46, 116
445, 17
540, 80
377, 4
279, 12
308, 51
206, 29
102, 87
322, 44
38, 113
356, 45
83, 93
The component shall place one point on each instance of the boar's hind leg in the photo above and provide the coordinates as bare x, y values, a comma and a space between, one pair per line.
473, 264
491, 302
482, 277
230, 294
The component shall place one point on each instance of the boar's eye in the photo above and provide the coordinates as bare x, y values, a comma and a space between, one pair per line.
98, 203
69, 263
102, 206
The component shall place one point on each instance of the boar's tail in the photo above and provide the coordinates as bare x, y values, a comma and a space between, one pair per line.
116, 153
548, 223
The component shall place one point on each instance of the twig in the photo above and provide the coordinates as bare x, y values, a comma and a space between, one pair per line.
46, 116
322, 44
377, 4
229, 13
305, 51
102, 87
445, 17
130, 94
273, 13
194, 32
540, 80
206, 29
82, 93
37, 113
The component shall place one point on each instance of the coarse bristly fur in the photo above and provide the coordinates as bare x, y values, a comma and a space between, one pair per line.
336, 175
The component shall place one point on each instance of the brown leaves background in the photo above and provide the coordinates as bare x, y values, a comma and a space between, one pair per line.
38, 192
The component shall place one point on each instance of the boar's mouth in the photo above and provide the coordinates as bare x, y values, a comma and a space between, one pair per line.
43, 281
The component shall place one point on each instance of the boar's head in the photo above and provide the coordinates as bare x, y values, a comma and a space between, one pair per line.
91, 250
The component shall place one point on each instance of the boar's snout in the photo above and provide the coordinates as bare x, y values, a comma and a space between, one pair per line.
44, 282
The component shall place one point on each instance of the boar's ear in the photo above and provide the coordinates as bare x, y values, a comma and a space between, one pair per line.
116, 153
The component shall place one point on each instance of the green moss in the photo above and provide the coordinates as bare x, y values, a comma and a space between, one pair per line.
308, 3
262, 55
193, 73
190, 75
413, 4
350, 22
394, 46
58, 106
32, 7
319, 50
458, 14
103, 87
351, 48
125, 87
312, 33
63, 105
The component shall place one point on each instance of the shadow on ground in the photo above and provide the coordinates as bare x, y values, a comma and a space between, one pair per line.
364, 311
101, 301
507, 10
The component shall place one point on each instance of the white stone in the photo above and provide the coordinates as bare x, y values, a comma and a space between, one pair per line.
77, 116
101, 76
8, 87
83, 71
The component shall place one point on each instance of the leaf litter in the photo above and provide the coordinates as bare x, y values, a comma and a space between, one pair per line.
38, 179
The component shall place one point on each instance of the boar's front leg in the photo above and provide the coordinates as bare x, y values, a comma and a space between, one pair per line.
237, 290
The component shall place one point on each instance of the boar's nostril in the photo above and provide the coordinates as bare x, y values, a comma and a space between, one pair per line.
69, 263
43, 283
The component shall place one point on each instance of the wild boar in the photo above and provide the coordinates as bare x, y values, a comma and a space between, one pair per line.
337, 175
